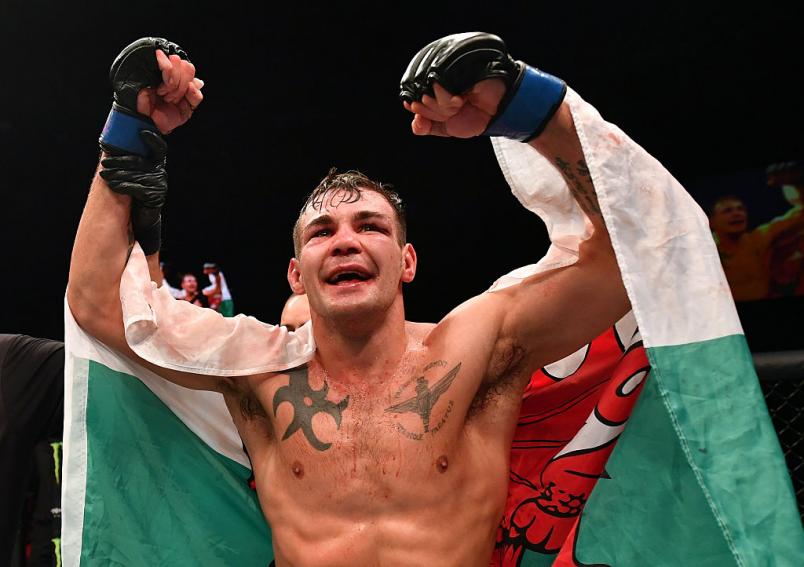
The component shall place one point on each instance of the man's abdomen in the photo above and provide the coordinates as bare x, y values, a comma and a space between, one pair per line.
422, 506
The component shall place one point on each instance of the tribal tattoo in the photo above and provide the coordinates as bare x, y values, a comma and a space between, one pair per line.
424, 400
306, 403
580, 184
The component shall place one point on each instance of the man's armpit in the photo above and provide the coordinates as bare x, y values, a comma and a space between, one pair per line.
507, 359
250, 407
504, 376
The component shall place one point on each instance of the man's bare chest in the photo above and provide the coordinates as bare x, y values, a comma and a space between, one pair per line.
420, 404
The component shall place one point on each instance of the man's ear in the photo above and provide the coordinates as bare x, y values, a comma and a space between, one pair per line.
409, 261
295, 277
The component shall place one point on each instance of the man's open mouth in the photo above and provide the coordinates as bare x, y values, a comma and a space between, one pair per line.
345, 278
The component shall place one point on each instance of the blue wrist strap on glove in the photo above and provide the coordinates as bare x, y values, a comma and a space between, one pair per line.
122, 132
534, 101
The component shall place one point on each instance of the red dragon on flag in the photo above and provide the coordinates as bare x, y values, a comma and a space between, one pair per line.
573, 412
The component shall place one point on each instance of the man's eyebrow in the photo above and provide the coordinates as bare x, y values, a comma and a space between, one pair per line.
363, 215
318, 221
325, 219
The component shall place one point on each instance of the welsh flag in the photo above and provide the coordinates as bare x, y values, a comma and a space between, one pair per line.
662, 415
653, 501
697, 477
154, 474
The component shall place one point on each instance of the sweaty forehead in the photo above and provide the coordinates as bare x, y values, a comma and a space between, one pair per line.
343, 202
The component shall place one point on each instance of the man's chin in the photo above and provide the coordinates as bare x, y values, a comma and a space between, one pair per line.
351, 301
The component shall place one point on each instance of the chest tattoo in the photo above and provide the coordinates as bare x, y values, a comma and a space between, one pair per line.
306, 403
424, 400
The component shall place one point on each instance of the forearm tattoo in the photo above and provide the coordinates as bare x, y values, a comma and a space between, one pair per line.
580, 183
424, 399
306, 403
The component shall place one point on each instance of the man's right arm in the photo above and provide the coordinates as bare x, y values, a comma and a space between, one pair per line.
98, 259
103, 242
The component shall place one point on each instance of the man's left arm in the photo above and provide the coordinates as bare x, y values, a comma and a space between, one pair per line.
553, 313
558, 311
791, 221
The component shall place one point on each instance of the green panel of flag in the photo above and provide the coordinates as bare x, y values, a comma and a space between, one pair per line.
156, 494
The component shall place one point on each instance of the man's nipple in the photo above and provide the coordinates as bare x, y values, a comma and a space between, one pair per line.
442, 464
298, 469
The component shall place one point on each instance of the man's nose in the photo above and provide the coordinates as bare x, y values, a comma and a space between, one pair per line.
345, 242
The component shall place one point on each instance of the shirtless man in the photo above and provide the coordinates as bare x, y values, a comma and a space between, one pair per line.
391, 446
746, 254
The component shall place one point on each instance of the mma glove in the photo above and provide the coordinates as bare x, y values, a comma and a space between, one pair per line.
135, 162
145, 180
457, 62
134, 69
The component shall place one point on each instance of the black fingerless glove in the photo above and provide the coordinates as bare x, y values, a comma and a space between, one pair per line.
134, 69
459, 61
145, 180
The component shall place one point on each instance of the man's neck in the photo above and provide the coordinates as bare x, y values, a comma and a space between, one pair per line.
361, 348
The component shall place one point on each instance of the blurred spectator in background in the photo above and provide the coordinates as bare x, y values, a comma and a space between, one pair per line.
787, 255
217, 292
191, 293
746, 255
296, 312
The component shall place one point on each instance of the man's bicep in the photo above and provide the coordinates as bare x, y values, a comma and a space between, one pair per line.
554, 313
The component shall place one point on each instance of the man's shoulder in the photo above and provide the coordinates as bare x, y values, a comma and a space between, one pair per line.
418, 330
477, 314
471, 329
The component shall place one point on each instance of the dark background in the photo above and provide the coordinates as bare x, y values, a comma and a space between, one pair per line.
293, 90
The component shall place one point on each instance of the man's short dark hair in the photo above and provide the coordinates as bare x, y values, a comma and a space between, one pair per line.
723, 199
349, 187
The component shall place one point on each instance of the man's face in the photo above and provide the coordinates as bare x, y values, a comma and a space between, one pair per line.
729, 218
189, 284
350, 261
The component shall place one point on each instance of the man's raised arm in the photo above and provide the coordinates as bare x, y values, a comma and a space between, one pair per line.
559, 311
467, 85
155, 91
